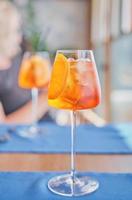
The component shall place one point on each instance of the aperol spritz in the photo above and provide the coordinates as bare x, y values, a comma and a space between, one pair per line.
34, 75
74, 85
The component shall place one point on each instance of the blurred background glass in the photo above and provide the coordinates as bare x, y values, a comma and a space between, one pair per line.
104, 26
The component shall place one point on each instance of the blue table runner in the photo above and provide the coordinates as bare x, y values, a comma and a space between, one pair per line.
110, 139
33, 186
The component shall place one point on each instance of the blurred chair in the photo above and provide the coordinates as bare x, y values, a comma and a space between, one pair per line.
83, 117
89, 116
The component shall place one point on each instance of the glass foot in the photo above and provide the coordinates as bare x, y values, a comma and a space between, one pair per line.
82, 185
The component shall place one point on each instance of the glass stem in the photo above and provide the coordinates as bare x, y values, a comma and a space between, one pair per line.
34, 92
73, 152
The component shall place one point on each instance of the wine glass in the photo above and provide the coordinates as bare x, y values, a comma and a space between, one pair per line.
74, 85
34, 75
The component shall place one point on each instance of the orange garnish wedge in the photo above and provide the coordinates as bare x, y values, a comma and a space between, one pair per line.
41, 72
25, 78
58, 76
34, 72
72, 92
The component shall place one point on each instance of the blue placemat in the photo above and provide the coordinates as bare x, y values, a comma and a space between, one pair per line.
33, 186
110, 139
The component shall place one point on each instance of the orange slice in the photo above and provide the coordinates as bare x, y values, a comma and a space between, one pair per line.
72, 92
41, 72
34, 72
26, 79
58, 76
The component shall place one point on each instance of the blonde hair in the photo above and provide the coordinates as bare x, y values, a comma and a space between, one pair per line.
10, 34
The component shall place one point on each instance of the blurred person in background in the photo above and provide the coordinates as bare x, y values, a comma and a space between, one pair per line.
15, 103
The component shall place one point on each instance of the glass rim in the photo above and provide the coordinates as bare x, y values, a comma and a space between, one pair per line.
26, 54
35, 52
75, 50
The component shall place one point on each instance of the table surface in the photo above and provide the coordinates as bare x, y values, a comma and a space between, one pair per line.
58, 162
30, 162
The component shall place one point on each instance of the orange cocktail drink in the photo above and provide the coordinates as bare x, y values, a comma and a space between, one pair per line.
34, 72
34, 75
74, 84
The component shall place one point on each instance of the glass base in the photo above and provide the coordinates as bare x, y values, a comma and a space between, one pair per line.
63, 185
29, 131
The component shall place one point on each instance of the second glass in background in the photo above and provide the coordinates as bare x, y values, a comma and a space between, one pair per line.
34, 75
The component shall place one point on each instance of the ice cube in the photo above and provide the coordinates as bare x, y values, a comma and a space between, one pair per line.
86, 77
82, 65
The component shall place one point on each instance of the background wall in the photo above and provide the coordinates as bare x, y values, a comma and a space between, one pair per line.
65, 22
